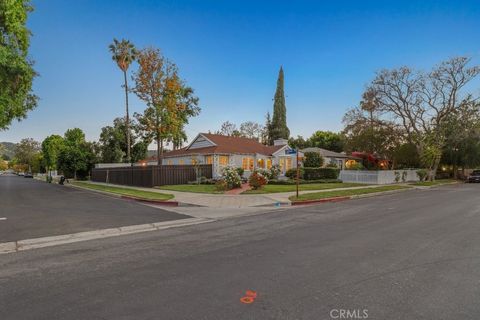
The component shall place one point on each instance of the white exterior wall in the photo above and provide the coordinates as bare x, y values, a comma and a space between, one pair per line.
377, 177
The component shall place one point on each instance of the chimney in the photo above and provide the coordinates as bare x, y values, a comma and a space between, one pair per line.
280, 142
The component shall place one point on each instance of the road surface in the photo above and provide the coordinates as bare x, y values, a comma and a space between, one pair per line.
410, 255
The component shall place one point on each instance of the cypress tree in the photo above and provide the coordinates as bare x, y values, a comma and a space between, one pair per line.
278, 128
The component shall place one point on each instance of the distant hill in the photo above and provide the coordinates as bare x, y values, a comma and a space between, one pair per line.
8, 149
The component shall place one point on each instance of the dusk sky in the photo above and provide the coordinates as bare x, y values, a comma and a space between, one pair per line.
230, 53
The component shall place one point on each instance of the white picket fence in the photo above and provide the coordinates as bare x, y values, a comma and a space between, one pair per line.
378, 177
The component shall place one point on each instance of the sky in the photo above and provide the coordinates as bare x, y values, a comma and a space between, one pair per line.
230, 53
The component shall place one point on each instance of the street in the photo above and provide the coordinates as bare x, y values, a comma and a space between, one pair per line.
410, 255
36, 209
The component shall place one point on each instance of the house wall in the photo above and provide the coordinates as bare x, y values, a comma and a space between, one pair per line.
377, 177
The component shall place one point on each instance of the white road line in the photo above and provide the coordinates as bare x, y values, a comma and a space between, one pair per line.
3, 219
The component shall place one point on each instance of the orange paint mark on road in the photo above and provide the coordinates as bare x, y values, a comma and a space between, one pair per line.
249, 297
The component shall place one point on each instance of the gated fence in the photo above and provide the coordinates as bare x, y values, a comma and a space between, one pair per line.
150, 176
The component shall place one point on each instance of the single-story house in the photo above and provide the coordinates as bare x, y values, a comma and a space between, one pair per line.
331, 157
222, 151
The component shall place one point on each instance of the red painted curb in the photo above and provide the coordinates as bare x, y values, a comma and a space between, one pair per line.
334, 199
157, 202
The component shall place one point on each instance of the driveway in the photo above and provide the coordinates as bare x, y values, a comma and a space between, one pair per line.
32, 209
410, 255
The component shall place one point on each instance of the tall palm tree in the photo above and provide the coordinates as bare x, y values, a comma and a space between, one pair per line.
124, 53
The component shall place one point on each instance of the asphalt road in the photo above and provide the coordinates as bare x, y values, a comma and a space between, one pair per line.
410, 255
36, 209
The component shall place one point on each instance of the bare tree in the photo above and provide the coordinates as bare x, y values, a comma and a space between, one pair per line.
251, 130
420, 102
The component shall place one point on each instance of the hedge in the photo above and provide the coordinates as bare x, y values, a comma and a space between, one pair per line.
320, 173
292, 173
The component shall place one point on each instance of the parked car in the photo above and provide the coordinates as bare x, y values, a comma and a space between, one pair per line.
28, 175
474, 176
21, 174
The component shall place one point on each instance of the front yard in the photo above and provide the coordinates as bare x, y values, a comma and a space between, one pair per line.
275, 188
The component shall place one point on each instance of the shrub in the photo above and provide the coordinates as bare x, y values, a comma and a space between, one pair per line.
332, 165
221, 185
292, 173
422, 174
356, 166
397, 176
240, 171
257, 179
313, 160
231, 177
274, 172
320, 173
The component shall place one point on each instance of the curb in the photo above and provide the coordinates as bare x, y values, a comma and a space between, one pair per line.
28, 244
151, 201
333, 199
131, 198
338, 199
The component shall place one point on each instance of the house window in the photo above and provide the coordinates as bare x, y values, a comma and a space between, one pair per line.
288, 163
169, 162
261, 163
208, 159
223, 160
269, 163
247, 164
181, 161
194, 161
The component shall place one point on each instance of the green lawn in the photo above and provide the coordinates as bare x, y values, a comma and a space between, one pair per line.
198, 188
147, 195
343, 193
275, 188
433, 183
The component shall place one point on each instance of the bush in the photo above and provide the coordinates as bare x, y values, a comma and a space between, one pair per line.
313, 160
332, 165
274, 172
221, 185
422, 174
356, 166
257, 179
231, 177
292, 173
292, 182
240, 171
320, 173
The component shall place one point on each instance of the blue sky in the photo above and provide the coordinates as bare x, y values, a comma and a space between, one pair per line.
230, 53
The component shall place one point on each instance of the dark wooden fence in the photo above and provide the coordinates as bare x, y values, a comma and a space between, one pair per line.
150, 176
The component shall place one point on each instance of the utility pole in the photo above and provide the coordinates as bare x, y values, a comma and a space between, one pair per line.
298, 173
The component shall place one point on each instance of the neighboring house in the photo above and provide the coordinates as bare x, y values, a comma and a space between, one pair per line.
331, 157
222, 151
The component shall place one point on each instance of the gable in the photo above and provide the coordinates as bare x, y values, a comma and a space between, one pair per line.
200, 142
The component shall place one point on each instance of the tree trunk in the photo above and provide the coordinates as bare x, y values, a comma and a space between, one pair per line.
159, 160
127, 117
434, 169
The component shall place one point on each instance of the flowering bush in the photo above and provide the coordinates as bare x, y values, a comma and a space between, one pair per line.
258, 179
274, 172
231, 177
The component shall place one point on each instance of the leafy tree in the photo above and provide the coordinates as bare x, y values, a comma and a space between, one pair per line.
51, 147
113, 143
278, 128
298, 142
170, 103
313, 160
26, 151
3, 165
124, 53
327, 140
77, 156
16, 69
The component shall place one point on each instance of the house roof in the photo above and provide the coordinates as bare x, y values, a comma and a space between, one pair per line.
220, 144
327, 153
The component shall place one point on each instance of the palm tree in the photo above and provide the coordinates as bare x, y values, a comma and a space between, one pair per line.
124, 53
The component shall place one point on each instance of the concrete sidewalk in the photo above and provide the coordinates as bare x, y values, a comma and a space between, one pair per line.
234, 201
